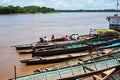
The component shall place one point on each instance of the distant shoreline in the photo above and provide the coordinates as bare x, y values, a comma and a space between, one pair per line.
36, 9
106, 10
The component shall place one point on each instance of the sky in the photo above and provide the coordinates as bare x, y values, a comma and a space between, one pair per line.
64, 4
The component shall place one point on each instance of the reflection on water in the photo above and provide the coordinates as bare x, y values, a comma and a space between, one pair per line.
26, 28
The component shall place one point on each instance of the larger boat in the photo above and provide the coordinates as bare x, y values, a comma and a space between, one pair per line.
51, 43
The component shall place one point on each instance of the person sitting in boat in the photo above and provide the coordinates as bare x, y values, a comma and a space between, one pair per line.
45, 39
33, 47
52, 37
66, 38
73, 36
76, 37
41, 40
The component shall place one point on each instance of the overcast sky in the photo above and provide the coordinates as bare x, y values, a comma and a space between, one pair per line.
64, 4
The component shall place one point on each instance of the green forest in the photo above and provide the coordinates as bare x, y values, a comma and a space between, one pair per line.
26, 9
36, 9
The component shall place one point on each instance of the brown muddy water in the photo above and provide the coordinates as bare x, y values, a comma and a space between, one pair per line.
27, 28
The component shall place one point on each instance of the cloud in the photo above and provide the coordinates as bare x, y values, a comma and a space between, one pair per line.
64, 4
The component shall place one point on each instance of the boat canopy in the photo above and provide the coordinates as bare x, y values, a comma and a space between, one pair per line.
107, 32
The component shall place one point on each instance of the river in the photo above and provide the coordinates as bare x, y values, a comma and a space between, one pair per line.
27, 28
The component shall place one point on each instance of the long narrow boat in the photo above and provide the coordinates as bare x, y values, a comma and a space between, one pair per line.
52, 59
51, 43
73, 72
60, 58
48, 45
72, 48
87, 41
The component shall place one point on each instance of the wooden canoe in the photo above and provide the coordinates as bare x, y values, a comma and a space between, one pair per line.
58, 58
52, 59
51, 43
87, 41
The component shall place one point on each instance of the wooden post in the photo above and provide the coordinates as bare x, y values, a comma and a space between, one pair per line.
15, 72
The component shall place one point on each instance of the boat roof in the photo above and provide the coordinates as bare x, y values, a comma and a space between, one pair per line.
105, 30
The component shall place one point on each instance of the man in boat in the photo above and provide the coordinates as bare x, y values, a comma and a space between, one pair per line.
45, 39
76, 37
41, 40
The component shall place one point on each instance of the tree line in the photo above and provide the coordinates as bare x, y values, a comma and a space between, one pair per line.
36, 9
105, 10
26, 9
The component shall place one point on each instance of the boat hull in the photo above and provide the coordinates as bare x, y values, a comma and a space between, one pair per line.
46, 61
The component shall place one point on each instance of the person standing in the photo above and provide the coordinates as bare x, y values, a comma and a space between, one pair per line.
33, 50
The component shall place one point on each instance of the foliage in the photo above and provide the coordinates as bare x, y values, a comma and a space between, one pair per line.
27, 9
36, 9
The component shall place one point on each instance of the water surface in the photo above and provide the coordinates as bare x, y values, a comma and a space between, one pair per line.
27, 28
